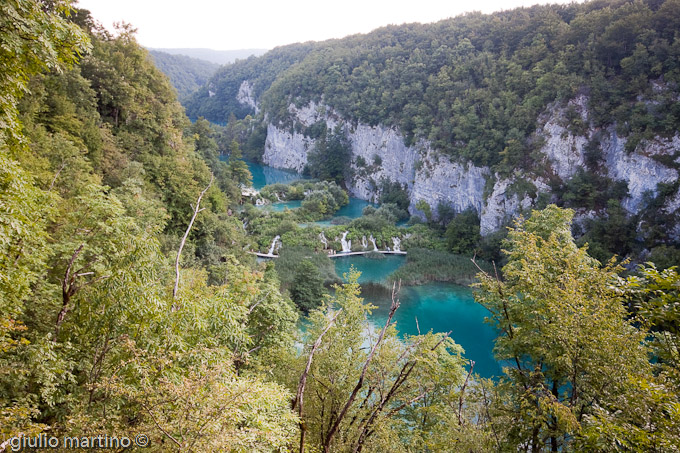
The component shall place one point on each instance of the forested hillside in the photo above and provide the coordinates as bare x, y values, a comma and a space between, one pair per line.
186, 74
100, 173
475, 85
133, 317
219, 57
577, 105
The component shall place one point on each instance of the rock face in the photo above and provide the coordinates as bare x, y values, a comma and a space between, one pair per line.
438, 180
245, 96
283, 149
504, 203
380, 154
386, 157
565, 152
641, 172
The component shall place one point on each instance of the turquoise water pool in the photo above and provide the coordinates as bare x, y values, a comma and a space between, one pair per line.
440, 307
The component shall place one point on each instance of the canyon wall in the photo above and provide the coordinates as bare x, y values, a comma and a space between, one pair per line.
380, 154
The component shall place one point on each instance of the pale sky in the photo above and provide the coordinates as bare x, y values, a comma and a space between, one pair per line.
245, 24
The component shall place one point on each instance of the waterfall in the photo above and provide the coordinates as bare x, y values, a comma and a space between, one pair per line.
372, 239
260, 202
271, 249
323, 239
277, 196
245, 226
346, 245
364, 244
397, 244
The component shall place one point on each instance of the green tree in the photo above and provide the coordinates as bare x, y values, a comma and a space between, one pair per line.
425, 208
34, 37
237, 167
307, 290
329, 160
571, 350
364, 388
462, 233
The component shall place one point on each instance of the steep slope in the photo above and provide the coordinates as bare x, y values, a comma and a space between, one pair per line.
219, 57
574, 104
186, 74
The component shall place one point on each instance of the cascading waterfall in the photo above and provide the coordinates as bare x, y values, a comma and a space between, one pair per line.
260, 202
271, 249
323, 239
372, 239
397, 244
346, 245
364, 244
277, 196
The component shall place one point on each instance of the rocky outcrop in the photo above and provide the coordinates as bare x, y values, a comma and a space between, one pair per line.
245, 96
504, 203
641, 172
284, 149
566, 152
380, 154
384, 156
439, 180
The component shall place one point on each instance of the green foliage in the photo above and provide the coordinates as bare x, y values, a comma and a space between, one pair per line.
34, 37
186, 74
474, 85
238, 169
389, 412
307, 289
92, 209
591, 191
330, 157
90, 336
614, 234
665, 256
424, 207
395, 193
423, 265
573, 355
462, 233
319, 200
292, 256
422, 236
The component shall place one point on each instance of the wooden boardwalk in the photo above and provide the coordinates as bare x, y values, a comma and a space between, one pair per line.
338, 255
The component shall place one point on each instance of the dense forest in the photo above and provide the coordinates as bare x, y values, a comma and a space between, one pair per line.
474, 85
218, 57
186, 74
476, 88
129, 304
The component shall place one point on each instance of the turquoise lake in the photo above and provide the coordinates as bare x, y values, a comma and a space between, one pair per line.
440, 307
264, 174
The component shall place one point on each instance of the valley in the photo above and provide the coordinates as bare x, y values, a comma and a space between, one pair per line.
461, 235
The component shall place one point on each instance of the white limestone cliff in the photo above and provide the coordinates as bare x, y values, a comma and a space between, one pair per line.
379, 153
245, 96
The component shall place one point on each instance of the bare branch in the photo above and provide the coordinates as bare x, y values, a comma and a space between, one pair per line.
474, 261
462, 393
360, 382
160, 427
250, 310
186, 234
299, 397
68, 288
367, 423
63, 165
